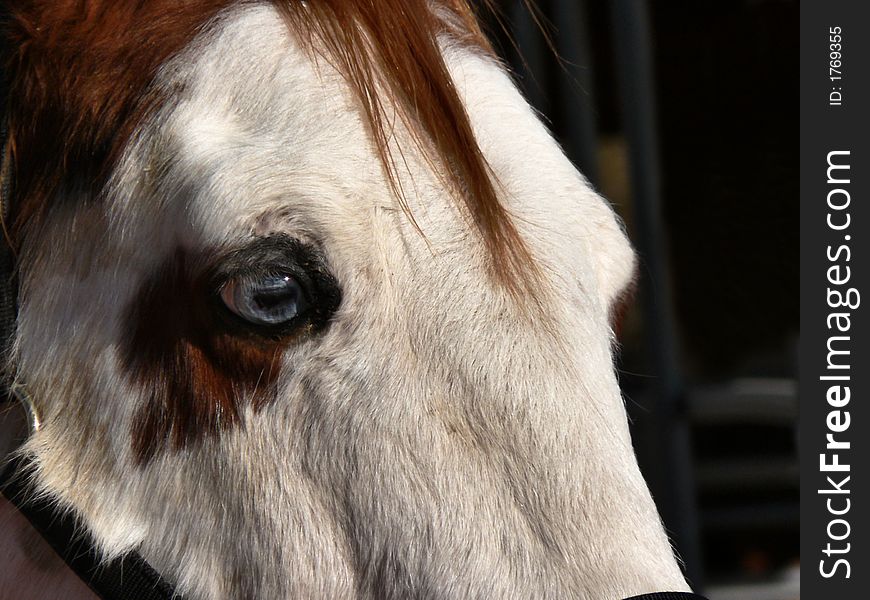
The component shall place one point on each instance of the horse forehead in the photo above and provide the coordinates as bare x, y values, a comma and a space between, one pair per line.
254, 105
248, 83
254, 126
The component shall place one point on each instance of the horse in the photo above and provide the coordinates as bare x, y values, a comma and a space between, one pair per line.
312, 305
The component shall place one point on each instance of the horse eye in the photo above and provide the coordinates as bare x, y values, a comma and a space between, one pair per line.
272, 300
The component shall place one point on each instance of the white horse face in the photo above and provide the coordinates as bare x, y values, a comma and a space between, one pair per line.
253, 367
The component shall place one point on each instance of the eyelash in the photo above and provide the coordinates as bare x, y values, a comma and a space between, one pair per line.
269, 258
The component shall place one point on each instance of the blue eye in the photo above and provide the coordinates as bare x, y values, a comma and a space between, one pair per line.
269, 300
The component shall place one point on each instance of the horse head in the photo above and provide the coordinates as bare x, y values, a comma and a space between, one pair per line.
311, 305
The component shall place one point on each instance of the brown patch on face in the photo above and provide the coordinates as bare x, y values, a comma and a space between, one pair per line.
198, 373
79, 73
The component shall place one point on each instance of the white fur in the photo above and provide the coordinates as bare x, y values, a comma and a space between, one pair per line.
433, 442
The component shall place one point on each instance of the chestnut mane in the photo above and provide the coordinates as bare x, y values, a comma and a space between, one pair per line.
81, 74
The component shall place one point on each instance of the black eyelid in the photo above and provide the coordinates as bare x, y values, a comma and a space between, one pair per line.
263, 257
279, 255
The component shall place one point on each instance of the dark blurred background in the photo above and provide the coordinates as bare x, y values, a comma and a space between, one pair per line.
684, 114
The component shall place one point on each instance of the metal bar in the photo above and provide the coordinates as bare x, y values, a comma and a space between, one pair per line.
665, 449
576, 97
529, 55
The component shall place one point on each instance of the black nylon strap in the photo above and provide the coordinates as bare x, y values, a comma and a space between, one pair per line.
126, 578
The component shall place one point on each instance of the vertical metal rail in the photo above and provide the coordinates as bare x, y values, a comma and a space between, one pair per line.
663, 439
576, 97
529, 56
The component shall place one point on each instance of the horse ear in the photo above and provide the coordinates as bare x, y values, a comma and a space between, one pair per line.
614, 261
